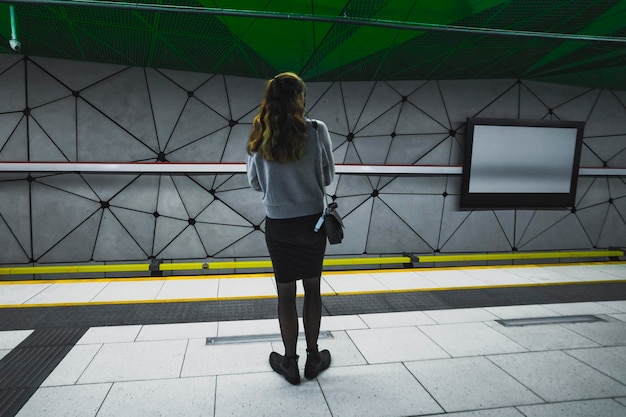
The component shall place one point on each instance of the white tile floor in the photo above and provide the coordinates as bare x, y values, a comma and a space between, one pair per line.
455, 362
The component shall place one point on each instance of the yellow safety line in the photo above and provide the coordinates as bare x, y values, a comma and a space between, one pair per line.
512, 256
327, 294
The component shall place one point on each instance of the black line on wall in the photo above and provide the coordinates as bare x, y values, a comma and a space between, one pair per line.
11, 135
565, 216
13, 234
68, 234
514, 246
356, 132
30, 181
582, 226
620, 215
441, 245
27, 108
216, 254
580, 197
431, 149
593, 107
227, 91
203, 137
127, 231
49, 138
405, 222
54, 187
511, 244
154, 124
623, 150
117, 124
525, 228
180, 115
512, 86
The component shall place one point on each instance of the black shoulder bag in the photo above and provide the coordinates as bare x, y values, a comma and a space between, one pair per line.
330, 218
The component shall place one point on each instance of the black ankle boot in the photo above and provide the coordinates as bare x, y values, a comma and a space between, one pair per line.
286, 366
316, 362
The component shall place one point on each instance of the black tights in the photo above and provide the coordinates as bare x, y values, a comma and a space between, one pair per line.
288, 314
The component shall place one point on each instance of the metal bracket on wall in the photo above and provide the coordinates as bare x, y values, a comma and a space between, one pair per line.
155, 267
414, 260
615, 257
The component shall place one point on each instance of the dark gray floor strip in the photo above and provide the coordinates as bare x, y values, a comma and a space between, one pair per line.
226, 310
27, 366
13, 399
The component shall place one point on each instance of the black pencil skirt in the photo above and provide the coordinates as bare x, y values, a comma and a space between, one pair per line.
296, 250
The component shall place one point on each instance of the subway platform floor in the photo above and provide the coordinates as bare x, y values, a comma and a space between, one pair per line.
412, 342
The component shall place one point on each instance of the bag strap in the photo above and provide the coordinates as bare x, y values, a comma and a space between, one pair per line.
319, 146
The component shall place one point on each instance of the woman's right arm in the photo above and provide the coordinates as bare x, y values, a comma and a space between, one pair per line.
328, 162
253, 178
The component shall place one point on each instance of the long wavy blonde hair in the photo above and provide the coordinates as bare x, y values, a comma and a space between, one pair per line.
279, 129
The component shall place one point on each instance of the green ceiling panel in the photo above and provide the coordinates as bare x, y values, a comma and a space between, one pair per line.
609, 22
368, 40
568, 41
285, 44
5, 21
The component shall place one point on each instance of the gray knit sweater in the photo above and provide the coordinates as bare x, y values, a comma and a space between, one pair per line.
294, 189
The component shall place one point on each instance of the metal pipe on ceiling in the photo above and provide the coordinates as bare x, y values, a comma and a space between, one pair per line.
344, 20
13, 25
14, 42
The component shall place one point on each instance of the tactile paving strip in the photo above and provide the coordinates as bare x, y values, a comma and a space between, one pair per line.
24, 368
253, 309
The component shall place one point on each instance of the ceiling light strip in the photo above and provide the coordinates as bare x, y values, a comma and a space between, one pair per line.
347, 20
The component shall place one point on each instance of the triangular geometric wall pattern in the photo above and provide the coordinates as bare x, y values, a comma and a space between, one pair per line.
66, 111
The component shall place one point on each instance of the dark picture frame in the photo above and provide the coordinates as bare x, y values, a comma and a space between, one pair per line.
525, 164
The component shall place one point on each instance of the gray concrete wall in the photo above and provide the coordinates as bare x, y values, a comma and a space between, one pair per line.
64, 111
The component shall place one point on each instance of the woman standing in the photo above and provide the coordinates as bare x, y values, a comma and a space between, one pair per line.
291, 167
